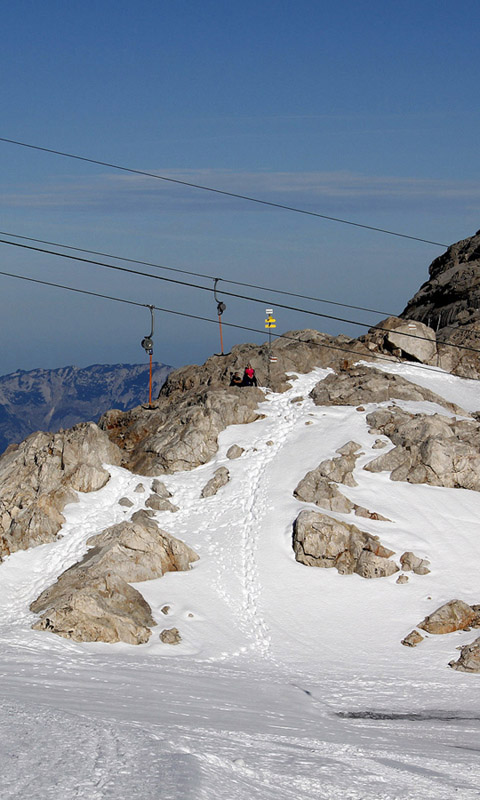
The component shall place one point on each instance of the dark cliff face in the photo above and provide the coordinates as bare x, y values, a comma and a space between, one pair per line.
48, 400
451, 297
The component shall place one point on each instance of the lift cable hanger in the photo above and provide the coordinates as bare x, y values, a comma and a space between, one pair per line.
220, 309
147, 344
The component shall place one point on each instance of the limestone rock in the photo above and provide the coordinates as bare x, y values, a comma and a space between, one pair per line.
429, 449
322, 541
401, 338
125, 502
402, 579
171, 636
235, 451
469, 660
92, 600
452, 616
40, 476
106, 609
220, 478
449, 302
158, 503
318, 485
413, 638
412, 563
160, 489
139, 488
369, 385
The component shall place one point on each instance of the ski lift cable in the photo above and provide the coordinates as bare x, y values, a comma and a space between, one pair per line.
198, 274
248, 298
185, 314
219, 191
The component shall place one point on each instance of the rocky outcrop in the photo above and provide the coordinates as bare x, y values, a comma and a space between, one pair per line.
362, 385
220, 478
449, 302
452, 616
92, 601
431, 449
196, 403
322, 541
469, 660
319, 485
40, 476
179, 433
403, 339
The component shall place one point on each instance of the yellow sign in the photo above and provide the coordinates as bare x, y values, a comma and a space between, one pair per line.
269, 322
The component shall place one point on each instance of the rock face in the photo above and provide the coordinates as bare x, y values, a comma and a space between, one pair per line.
452, 616
469, 660
322, 541
40, 476
428, 449
51, 399
362, 385
449, 302
92, 601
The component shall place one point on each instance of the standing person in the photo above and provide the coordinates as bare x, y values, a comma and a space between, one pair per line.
249, 378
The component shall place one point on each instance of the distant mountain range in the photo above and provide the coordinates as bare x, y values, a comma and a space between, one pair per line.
50, 399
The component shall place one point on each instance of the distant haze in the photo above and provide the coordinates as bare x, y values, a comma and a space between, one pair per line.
50, 399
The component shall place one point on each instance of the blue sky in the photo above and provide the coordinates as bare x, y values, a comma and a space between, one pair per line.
361, 110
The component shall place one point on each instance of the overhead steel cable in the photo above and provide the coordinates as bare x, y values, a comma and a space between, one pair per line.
196, 274
214, 321
248, 298
220, 191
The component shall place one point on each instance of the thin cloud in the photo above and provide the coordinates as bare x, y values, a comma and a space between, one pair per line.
133, 192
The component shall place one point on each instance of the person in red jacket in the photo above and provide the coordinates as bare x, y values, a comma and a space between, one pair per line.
249, 378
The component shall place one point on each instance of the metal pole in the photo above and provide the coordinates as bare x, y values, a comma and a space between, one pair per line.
150, 382
221, 335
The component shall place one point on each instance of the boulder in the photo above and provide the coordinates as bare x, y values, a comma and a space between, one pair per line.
401, 338
158, 503
40, 476
106, 609
220, 478
318, 485
322, 541
92, 600
412, 563
170, 636
413, 638
452, 616
235, 451
159, 488
469, 660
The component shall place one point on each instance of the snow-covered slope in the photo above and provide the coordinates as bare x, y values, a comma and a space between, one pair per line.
290, 681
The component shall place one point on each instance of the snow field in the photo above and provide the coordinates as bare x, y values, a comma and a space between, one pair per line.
272, 651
